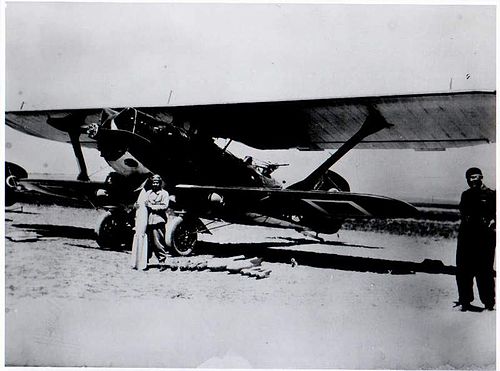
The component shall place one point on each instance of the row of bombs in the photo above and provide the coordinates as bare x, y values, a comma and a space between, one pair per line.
236, 264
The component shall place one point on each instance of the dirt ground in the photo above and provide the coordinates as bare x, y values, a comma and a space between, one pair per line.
359, 300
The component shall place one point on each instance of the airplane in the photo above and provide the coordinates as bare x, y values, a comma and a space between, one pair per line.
210, 183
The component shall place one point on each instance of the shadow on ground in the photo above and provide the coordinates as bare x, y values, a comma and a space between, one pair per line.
97, 247
20, 211
65, 231
307, 241
272, 252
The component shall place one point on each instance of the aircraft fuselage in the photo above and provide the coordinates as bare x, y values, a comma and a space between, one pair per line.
133, 142
136, 144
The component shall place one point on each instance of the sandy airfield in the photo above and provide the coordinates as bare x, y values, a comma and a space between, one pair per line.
360, 300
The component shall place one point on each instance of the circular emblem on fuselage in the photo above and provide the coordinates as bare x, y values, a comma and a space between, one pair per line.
130, 162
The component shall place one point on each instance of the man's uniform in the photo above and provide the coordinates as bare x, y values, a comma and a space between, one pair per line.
476, 246
157, 203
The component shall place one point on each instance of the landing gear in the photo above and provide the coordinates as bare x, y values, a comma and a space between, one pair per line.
114, 231
181, 235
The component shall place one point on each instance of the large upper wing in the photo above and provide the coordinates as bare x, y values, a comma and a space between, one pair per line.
36, 123
431, 121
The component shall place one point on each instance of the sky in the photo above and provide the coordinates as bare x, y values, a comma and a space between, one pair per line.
62, 55
79, 55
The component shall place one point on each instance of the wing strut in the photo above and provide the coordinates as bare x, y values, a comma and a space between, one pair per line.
72, 124
374, 122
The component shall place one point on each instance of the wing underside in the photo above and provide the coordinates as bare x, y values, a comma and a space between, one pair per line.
424, 122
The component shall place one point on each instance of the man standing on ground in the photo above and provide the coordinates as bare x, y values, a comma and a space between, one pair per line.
150, 221
157, 200
476, 242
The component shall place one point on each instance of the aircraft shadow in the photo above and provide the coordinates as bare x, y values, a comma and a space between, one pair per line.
267, 252
96, 247
65, 231
306, 241
20, 211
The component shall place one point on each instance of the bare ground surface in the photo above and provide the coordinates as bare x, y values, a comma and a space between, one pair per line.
358, 300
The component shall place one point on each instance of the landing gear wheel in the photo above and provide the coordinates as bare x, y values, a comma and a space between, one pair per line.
181, 236
112, 232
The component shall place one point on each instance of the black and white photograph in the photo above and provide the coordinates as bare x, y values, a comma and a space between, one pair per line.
267, 185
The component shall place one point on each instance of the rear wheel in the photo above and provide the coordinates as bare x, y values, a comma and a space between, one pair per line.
181, 236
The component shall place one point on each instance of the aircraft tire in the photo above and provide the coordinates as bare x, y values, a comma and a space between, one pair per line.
181, 236
112, 232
